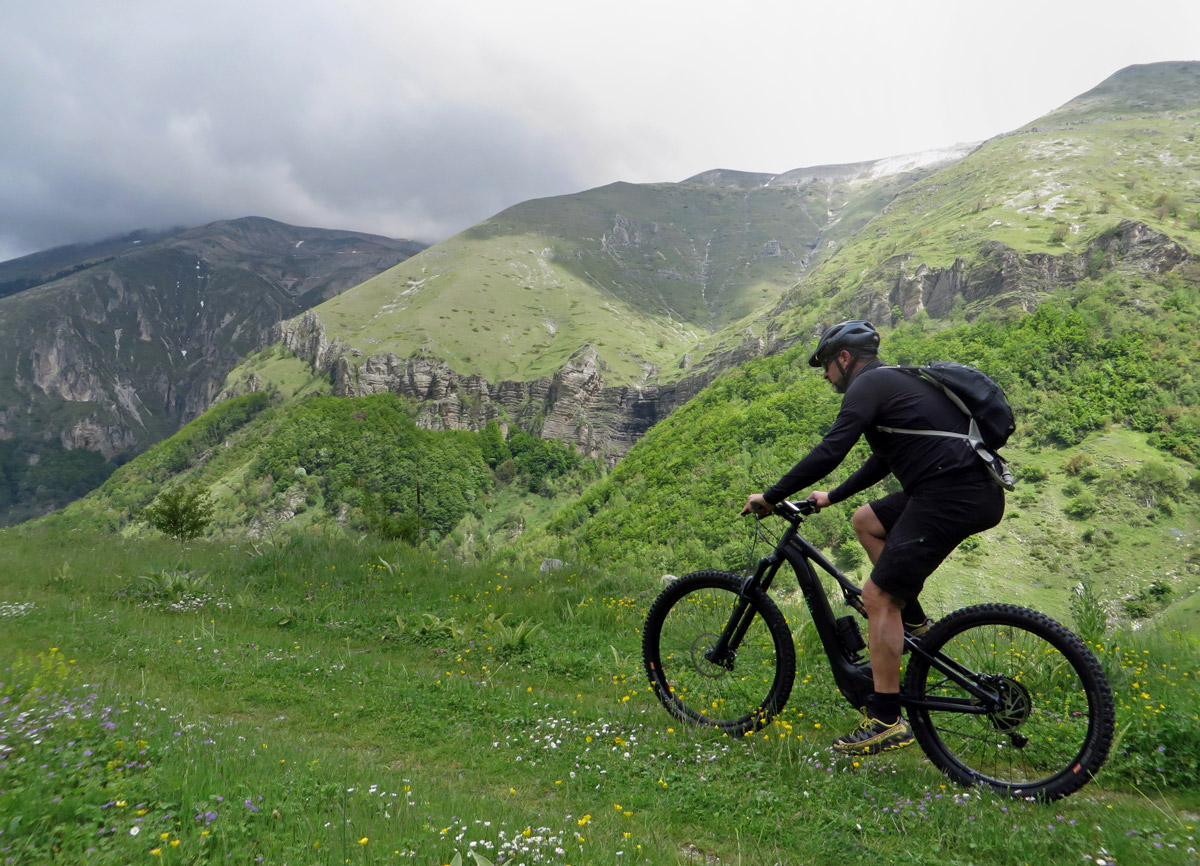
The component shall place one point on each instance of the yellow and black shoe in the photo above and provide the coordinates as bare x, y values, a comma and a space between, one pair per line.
873, 736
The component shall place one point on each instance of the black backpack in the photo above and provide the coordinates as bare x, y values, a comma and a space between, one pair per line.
982, 401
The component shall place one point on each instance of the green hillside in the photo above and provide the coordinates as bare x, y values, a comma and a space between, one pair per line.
1105, 386
1029, 211
1093, 335
646, 273
276, 463
1103, 379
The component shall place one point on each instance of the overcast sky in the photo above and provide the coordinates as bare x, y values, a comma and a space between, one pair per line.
418, 119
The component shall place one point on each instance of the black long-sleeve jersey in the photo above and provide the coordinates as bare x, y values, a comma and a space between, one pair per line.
882, 396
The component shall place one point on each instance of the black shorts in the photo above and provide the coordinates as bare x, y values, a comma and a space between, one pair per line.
925, 526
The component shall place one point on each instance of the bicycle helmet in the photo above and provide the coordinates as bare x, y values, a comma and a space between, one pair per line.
857, 335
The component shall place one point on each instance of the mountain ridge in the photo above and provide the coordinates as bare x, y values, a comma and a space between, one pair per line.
552, 279
138, 336
637, 296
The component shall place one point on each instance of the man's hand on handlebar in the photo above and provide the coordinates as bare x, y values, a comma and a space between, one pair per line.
757, 505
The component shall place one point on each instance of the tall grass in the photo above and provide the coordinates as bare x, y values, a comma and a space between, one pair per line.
335, 700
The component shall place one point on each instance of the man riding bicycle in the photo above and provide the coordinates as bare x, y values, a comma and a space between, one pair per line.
946, 495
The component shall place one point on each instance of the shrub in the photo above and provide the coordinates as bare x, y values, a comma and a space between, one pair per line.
182, 513
1081, 507
1081, 465
1033, 474
1091, 622
1158, 483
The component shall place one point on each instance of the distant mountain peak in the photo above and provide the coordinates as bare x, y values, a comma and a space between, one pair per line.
873, 169
1138, 89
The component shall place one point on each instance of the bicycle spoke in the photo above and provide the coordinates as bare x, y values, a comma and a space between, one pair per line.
1048, 688
737, 692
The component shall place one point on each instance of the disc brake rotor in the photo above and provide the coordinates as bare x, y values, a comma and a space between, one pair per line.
705, 666
1015, 705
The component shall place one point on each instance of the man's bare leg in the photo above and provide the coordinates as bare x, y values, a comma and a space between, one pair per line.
886, 636
870, 532
872, 536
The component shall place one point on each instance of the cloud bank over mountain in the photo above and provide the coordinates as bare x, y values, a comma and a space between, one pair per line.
418, 120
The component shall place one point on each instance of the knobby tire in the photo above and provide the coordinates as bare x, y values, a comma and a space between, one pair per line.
738, 696
1056, 726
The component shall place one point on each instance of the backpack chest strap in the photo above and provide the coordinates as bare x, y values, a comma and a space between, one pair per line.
972, 435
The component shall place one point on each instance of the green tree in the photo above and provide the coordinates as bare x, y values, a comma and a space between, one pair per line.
492, 444
182, 513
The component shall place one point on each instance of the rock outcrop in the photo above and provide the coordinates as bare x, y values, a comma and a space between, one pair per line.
1006, 278
576, 404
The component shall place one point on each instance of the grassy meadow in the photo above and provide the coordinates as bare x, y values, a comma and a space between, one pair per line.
325, 698
317, 695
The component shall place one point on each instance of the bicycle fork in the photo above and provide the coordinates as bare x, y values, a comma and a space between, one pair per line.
724, 652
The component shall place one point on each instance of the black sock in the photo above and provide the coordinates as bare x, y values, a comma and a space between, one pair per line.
914, 614
884, 706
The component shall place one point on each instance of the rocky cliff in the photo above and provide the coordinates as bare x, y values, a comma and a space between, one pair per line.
575, 405
111, 347
1001, 276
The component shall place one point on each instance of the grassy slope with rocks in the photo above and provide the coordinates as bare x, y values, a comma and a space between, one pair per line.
1052, 187
646, 273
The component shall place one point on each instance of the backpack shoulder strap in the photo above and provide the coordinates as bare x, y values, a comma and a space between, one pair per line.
972, 435
996, 466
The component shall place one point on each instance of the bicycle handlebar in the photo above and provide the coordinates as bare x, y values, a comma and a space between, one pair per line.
789, 510
801, 508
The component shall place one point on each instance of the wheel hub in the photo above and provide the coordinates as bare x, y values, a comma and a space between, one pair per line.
703, 661
1013, 707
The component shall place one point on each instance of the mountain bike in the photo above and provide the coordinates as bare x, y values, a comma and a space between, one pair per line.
997, 695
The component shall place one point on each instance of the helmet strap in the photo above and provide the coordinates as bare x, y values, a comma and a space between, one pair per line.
837, 359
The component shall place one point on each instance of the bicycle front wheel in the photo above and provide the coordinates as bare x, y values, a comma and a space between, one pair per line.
1053, 726
738, 690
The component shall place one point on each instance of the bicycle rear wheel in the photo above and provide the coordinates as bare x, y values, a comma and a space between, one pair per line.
1054, 726
737, 693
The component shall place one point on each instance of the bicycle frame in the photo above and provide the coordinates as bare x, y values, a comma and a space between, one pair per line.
852, 674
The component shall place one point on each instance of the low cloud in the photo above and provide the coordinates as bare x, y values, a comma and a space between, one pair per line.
420, 119
129, 116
